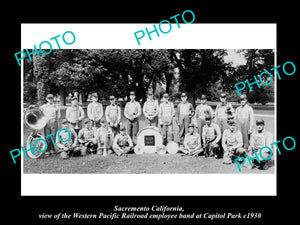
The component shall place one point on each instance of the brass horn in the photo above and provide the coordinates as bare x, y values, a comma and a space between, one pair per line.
34, 118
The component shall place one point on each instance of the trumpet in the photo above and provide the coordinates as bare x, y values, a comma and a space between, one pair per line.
77, 117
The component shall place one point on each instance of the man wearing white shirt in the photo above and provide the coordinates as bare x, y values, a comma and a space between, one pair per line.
52, 113
132, 112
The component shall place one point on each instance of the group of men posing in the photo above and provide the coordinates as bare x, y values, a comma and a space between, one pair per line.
226, 133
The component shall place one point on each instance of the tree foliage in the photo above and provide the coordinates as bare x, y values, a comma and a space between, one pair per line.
118, 71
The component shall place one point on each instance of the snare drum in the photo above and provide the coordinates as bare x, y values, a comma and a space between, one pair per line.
149, 138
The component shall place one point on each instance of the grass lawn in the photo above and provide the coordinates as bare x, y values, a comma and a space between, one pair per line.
146, 163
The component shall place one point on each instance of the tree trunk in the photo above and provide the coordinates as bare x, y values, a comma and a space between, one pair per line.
192, 97
62, 93
40, 92
169, 77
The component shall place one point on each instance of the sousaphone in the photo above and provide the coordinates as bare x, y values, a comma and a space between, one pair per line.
35, 119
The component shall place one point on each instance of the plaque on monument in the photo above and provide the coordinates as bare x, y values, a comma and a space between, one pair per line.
149, 140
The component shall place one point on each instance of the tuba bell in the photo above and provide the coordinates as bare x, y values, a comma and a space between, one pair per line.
34, 118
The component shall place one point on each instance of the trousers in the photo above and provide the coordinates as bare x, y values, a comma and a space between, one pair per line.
132, 128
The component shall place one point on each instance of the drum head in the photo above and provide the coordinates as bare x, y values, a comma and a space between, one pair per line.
138, 150
172, 147
149, 138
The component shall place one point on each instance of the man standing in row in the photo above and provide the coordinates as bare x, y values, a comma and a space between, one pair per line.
224, 111
113, 115
185, 111
150, 110
245, 120
75, 114
95, 110
165, 118
52, 113
202, 110
132, 111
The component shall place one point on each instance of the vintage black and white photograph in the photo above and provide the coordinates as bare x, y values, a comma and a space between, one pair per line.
148, 111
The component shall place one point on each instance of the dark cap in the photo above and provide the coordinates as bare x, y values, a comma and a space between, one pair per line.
49, 96
94, 95
203, 97
132, 93
64, 121
87, 120
111, 97
207, 117
191, 125
231, 121
260, 122
73, 98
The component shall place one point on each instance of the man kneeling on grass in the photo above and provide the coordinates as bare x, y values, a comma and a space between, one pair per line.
232, 142
211, 135
191, 143
122, 144
258, 140
69, 148
87, 138
105, 138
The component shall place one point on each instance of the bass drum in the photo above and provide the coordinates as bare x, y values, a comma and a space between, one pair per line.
40, 145
148, 139
172, 147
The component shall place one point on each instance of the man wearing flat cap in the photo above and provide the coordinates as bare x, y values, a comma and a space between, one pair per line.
192, 142
245, 120
260, 138
95, 110
211, 136
63, 147
75, 114
113, 115
52, 113
232, 143
150, 110
88, 138
201, 110
122, 143
165, 118
132, 112
224, 111
185, 111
